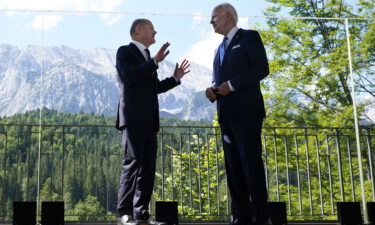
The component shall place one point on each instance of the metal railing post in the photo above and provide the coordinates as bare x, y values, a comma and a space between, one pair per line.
356, 125
370, 155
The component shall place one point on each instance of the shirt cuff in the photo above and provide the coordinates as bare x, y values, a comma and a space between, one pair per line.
177, 80
230, 86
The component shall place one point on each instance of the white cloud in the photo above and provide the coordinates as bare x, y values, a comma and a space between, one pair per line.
243, 21
68, 5
95, 5
110, 19
198, 19
46, 22
200, 23
203, 51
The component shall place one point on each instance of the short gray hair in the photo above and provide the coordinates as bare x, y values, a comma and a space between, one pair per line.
136, 23
226, 7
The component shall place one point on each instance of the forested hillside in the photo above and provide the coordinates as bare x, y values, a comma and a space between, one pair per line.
80, 162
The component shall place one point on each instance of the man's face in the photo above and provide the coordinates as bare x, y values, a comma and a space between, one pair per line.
147, 34
219, 21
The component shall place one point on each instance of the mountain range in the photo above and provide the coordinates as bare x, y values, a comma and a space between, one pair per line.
84, 80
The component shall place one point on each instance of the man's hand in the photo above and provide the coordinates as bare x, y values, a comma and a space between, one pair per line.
223, 89
162, 53
180, 71
210, 93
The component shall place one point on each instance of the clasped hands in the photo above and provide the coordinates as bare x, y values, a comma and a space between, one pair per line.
212, 92
180, 70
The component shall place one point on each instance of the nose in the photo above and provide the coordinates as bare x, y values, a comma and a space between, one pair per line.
211, 21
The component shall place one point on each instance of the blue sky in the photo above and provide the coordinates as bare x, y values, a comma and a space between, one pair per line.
190, 36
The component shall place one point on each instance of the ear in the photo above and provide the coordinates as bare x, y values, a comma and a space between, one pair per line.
230, 18
138, 29
228, 15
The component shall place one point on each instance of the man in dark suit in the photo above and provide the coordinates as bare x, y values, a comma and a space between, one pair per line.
138, 119
239, 65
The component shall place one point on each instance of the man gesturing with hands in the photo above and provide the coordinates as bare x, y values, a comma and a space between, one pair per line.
138, 119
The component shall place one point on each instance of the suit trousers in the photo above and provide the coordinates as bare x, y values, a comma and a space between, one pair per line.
138, 171
245, 169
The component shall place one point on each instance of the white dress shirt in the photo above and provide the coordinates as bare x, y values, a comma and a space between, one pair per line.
141, 48
230, 35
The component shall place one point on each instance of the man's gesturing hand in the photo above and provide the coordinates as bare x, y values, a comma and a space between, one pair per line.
162, 53
180, 71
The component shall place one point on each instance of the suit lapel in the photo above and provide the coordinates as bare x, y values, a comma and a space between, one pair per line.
139, 56
216, 67
137, 53
231, 44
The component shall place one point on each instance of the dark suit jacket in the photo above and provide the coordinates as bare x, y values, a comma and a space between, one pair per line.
244, 65
139, 85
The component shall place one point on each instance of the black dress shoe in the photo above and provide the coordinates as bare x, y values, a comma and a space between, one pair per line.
240, 222
264, 222
145, 219
126, 220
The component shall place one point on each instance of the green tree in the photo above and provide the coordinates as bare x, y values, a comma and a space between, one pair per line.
309, 81
47, 192
194, 174
89, 209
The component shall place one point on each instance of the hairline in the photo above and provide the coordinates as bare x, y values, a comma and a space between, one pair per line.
226, 7
136, 23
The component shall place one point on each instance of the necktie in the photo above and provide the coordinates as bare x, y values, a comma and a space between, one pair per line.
148, 53
222, 49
